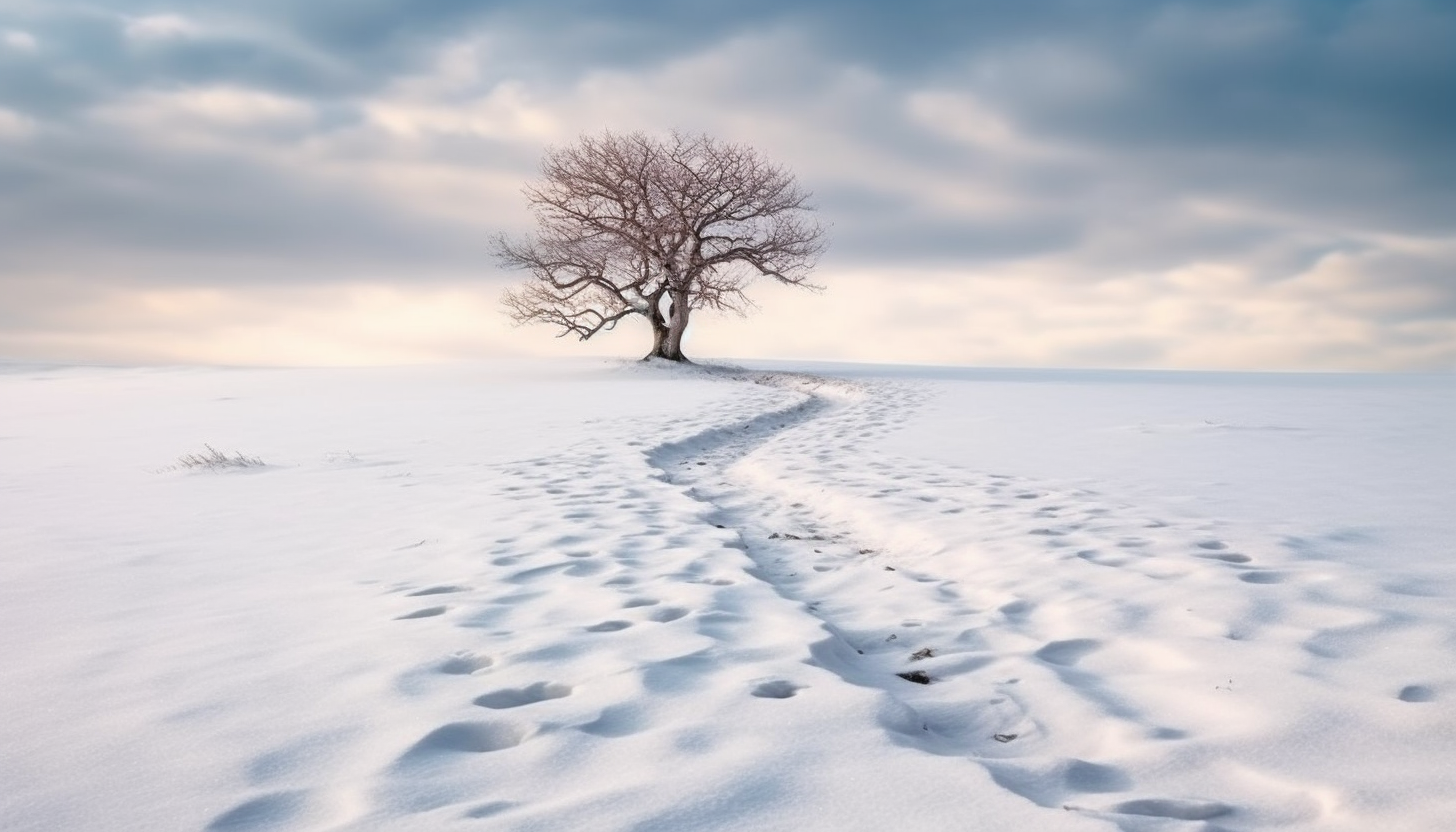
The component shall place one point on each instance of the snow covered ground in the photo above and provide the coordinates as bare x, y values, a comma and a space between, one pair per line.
588, 595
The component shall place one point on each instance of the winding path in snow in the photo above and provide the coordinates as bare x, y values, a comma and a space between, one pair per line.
903, 632
1093, 658
760, 622
617, 601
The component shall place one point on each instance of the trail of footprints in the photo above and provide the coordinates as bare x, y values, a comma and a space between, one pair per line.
810, 559
955, 661
969, 653
592, 522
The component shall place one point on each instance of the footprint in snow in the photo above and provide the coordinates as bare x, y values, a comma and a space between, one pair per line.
609, 626
519, 697
438, 590
465, 663
538, 572
775, 689
1017, 609
270, 811
1174, 809
1416, 693
1067, 653
1094, 556
464, 738
1226, 557
489, 810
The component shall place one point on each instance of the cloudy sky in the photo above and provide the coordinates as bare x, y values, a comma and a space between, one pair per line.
1122, 183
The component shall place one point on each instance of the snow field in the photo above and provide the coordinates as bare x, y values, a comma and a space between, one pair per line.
453, 598
1152, 661
582, 596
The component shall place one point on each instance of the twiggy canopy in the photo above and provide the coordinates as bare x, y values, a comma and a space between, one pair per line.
626, 223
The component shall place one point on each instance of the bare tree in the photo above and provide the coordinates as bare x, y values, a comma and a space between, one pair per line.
630, 224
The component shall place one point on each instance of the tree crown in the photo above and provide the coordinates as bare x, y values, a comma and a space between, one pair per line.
626, 219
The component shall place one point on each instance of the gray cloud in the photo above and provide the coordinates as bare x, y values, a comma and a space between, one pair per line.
1291, 142
90, 203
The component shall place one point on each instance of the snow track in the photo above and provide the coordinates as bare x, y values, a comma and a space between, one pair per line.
553, 596
1091, 656
908, 634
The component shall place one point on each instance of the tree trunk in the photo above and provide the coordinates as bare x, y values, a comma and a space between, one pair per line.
664, 345
659, 338
667, 332
677, 326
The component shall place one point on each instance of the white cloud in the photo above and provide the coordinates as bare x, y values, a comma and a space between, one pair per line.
961, 116
1043, 312
18, 41
768, 89
205, 109
506, 112
160, 27
344, 324
14, 126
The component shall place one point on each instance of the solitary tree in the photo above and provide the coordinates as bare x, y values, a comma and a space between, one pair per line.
630, 224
